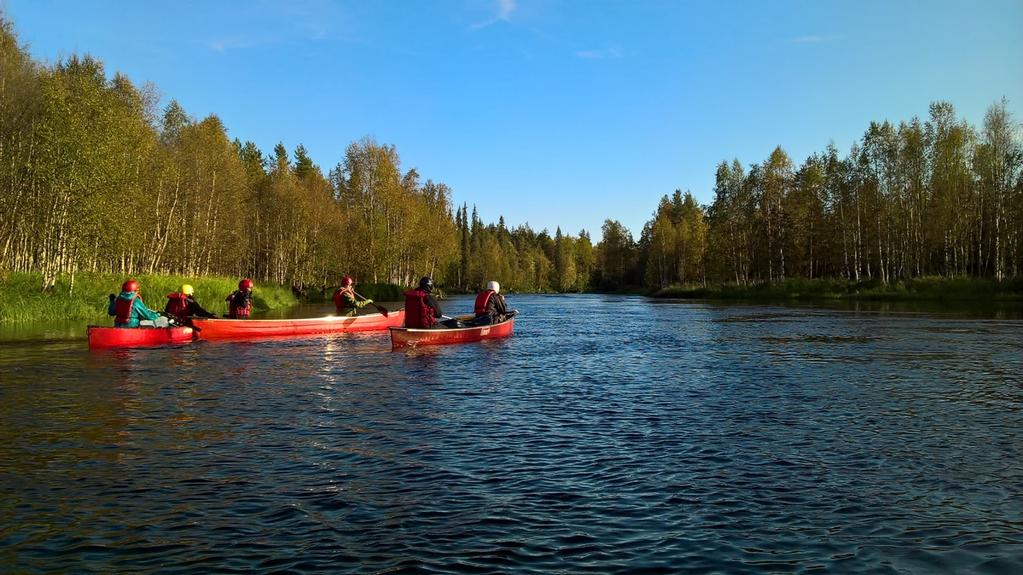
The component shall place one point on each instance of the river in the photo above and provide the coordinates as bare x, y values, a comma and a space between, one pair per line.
610, 434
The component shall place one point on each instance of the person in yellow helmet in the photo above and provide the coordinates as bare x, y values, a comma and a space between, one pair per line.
181, 305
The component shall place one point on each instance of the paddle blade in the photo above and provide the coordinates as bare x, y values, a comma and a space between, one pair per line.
381, 309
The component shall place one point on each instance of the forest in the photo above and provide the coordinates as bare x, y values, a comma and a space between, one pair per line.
97, 176
922, 198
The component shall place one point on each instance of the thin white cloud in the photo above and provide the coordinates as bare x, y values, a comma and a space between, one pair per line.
309, 20
503, 14
505, 9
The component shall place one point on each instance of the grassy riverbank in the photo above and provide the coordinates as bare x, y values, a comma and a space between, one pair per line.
928, 288
22, 300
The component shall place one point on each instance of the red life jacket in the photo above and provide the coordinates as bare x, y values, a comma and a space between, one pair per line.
482, 299
178, 305
339, 302
237, 310
122, 309
417, 313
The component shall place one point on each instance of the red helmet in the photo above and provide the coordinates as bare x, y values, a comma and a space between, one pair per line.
130, 285
245, 284
347, 281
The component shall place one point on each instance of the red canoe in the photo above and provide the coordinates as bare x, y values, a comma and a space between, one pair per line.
102, 336
259, 328
409, 337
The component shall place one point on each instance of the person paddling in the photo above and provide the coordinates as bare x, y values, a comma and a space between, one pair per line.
346, 301
490, 306
240, 300
421, 308
129, 310
182, 305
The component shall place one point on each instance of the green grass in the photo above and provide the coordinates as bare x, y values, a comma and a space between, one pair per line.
21, 298
926, 288
381, 292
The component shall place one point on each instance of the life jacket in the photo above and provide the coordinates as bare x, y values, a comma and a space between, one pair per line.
177, 305
339, 298
240, 307
417, 313
482, 299
122, 309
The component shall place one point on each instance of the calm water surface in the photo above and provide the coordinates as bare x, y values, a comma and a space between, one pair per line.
650, 438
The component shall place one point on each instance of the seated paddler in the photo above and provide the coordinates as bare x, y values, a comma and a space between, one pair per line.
240, 301
129, 310
421, 308
346, 301
181, 305
490, 306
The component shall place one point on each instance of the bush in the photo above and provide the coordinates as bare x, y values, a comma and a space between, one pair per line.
381, 292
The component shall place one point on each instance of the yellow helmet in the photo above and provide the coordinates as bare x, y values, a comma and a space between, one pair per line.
187, 289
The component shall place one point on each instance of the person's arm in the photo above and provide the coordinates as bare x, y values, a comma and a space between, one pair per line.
432, 302
112, 306
144, 312
500, 305
195, 309
351, 301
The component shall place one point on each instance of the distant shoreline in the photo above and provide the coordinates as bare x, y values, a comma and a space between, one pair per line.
22, 300
934, 289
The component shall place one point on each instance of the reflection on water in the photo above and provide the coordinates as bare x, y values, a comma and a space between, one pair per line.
609, 434
975, 309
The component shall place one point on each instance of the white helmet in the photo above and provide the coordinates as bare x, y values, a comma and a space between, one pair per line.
494, 286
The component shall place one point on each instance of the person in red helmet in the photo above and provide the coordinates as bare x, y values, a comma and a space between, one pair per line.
240, 300
346, 301
128, 308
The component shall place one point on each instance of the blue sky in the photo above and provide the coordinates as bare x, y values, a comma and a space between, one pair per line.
551, 112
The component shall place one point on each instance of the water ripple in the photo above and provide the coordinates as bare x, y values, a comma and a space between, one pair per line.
646, 439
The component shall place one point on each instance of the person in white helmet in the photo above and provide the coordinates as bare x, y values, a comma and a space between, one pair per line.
490, 305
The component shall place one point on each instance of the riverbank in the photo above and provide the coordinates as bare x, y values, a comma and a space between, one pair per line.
922, 289
22, 300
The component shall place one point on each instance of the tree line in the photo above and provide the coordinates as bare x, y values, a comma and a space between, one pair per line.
96, 176
922, 198
520, 258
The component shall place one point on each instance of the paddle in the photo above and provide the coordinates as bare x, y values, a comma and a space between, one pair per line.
173, 321
451, 322
380, 308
